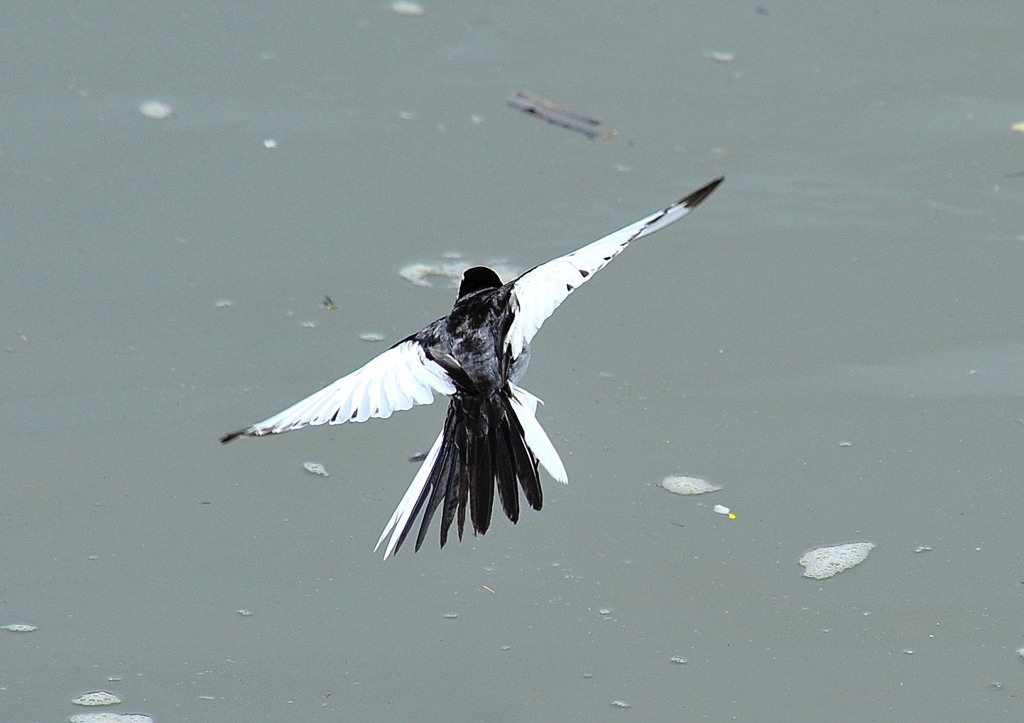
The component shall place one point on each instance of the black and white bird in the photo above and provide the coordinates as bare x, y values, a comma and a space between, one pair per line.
475, 355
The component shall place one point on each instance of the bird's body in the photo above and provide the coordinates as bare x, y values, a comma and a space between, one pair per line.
476, 355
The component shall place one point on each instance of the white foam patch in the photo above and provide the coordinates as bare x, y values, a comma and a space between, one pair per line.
155, 109
97, 697
315, 468
111, 718
20, 627
449, 274
407, 8
682, 485
824, 562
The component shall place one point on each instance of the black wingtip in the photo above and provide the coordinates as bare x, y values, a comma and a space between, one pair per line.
700, 194
233, 435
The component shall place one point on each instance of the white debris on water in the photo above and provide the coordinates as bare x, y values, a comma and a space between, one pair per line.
407, 8
449, 274
682, 485
97, 697
372, 336
155, 109
20, 627
721, 510
315, 468
824, 562
111, 718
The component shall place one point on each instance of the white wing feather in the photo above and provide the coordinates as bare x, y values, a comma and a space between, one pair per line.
396, 380
539, 291
524, 405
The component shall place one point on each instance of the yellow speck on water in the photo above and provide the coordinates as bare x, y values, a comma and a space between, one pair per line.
1018, 126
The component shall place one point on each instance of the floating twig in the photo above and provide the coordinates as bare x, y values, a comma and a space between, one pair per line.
558, 115
555, 107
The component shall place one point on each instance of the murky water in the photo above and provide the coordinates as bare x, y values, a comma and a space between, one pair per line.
835, 337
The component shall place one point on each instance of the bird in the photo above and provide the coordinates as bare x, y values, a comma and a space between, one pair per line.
476, 355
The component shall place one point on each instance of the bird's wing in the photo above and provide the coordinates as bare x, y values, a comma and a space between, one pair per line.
398, 379
539, 291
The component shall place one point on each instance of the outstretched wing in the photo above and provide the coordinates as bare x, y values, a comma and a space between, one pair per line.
540, 290
398, 379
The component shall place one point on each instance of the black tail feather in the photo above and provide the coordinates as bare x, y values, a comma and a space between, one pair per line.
483, 447
482, 474
505, 473
525, 463
439, 480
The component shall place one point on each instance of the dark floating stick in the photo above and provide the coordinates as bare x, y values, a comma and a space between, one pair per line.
557, 115
560, 109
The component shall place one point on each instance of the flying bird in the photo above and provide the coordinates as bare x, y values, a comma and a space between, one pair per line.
475, 355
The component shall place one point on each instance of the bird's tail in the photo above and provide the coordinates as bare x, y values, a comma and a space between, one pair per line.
486, 443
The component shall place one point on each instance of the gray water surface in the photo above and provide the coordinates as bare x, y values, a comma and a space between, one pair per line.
835, 337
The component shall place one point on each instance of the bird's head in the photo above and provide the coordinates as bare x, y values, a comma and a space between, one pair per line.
477, 278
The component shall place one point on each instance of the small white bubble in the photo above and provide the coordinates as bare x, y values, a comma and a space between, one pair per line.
620, 704
269, 143
315, 468
155, 109
372, 336
407, 8
678, 660
244, 612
